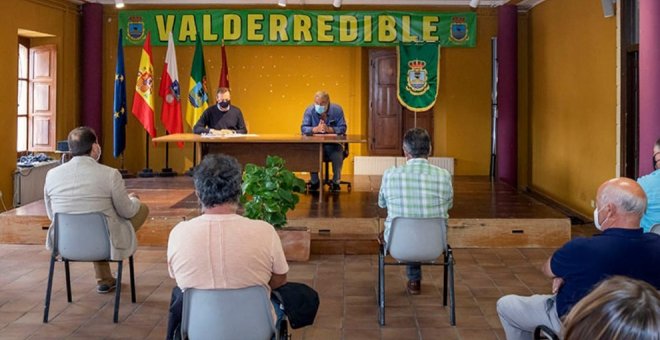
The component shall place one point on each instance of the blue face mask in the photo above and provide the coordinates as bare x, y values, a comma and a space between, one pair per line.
319, 108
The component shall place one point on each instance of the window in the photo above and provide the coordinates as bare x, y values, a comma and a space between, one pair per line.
22, 130
36, 97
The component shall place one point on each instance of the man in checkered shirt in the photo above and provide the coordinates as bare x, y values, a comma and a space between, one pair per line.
417, 189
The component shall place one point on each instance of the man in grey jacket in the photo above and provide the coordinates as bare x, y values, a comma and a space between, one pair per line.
83, 185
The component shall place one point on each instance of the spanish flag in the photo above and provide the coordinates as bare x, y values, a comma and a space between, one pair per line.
198, 94
143, 101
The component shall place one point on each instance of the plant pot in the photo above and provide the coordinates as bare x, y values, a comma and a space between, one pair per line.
296, 242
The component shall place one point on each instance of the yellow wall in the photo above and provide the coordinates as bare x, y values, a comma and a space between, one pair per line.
572, 100
273, 85
59, 18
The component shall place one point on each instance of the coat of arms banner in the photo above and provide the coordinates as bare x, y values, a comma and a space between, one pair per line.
418, 71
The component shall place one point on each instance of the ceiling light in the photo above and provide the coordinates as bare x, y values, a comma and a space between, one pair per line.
281, 3
474, 3
336, 3
119, 3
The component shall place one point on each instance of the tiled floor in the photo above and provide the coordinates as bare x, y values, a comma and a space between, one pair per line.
346, 284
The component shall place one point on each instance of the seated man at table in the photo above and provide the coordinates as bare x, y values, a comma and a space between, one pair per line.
322, 117
222, 118
221, 249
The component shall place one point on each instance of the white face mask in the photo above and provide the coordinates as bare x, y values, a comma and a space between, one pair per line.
596, 223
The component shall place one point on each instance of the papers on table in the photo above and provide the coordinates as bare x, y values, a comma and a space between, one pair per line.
233, 135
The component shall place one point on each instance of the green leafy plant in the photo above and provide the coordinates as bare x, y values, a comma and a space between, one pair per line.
270, 191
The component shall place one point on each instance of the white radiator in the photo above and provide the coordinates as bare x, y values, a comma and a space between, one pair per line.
446, 163
371, 165
29, 182
376, 165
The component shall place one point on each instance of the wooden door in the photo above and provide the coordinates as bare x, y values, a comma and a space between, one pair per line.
388, 120
42, 109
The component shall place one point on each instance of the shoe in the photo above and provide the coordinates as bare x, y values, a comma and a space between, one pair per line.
414, 287
106, 288
334, 187
313, 186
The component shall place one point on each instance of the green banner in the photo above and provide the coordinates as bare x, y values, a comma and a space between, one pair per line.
418, 71
298, 27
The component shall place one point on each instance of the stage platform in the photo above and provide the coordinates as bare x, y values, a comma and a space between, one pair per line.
485, 215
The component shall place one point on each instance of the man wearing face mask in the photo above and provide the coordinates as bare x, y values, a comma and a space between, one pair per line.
82, 185
222, 118
322, 117
621, 249
651, 185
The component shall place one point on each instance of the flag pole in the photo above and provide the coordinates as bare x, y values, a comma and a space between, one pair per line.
167, 171
146, 172
122, 170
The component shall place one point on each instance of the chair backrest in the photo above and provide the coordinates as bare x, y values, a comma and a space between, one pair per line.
656, 228
417, 239
244, 313
81, 237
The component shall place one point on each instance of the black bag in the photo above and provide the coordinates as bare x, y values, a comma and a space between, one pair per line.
300, 303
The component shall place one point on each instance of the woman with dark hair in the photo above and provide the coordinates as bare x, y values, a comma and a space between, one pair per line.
618, 308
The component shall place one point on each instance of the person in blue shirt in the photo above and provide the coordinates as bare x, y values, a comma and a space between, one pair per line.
621, 249
323, 117
651, 185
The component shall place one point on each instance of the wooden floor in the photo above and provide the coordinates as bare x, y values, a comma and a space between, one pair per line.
484, 215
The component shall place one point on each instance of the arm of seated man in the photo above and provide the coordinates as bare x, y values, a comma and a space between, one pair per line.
277, 280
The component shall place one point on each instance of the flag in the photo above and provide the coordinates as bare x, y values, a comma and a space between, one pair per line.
119, 115
143, 101
418, 71
197, 95
170, 113
224, 72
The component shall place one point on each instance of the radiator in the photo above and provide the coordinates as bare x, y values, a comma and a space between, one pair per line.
446, 163
29, 182
369, 165
374, 165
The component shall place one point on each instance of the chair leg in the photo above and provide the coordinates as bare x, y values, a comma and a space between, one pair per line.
67, 274
49, 288
131, 268
452, 297
120, 266
444, 279
381, 286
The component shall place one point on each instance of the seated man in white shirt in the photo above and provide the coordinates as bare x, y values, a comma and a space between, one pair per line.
221, 249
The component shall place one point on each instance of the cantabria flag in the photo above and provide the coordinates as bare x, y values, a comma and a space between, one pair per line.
418, 71
197, 95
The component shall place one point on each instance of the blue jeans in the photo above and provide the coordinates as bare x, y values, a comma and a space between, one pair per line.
335, 154
414, 272
176, 311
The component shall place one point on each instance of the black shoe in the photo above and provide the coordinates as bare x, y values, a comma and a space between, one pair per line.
106, 288
313, 186
334, 187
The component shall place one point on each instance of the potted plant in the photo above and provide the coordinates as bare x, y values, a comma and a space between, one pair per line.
268, 193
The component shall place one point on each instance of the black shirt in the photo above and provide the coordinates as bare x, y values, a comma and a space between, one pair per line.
213, 118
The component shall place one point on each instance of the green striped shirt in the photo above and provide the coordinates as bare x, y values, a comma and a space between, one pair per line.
417, 189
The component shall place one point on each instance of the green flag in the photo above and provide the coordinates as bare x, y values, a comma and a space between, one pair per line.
197, 94
418, 71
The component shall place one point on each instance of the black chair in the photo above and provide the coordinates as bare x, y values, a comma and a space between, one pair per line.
543, 332
83, 238
326, 170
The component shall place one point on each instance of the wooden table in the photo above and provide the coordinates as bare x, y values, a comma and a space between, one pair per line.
301, 153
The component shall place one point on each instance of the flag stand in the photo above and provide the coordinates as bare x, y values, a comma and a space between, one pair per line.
167, 171
146, 172
124, 173
192, 168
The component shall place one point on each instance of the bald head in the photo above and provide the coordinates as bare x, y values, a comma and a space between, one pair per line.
622, 203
